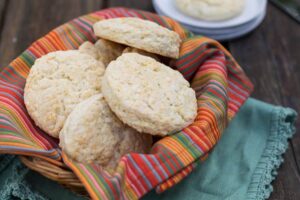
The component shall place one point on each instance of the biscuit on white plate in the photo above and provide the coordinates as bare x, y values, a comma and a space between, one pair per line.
213, 10
103, 50
141, 34
57, 82
148, 96
142, 52
93, 134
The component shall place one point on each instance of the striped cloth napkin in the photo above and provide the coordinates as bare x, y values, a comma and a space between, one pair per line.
221, 88
241, 166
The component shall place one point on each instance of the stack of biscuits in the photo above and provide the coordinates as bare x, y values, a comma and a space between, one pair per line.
108, 99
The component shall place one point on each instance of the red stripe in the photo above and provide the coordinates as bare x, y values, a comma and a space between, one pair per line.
192, 55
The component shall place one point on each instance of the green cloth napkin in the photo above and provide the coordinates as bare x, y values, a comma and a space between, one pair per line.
241, 166
244, 162
18, 182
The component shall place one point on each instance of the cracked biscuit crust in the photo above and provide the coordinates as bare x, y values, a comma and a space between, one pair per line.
141, 34
142, 52
103, 50
93, 134
57, 82
148, 96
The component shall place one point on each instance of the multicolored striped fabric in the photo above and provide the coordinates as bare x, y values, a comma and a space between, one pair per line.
219, 82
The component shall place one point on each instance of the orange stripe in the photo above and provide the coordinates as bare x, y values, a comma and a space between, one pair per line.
55, 162
178, 149
81, 177
199, 140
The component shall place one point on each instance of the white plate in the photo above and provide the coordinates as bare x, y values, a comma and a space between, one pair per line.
224, 30
214, 30
252, 10
235, 34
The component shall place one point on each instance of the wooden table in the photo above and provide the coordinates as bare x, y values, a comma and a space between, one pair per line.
270, 56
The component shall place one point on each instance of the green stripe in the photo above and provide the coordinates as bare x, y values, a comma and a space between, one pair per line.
4, 77
202, 60
185, 142
27, 58
165, 22
17, 141
82, 35
87, 179
13, 132
64, 31
163, 152
74, 33
240, 83
198, 81
220, 87
189, 53
194, 65
101, 181
5, 71
82, 20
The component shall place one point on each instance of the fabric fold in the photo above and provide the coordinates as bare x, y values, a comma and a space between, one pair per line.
241, 166
281, 130
245, 161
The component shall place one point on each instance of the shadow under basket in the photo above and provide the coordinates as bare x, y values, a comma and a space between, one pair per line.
60, 174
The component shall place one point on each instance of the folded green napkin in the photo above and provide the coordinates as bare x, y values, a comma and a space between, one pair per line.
244, 162
241, 166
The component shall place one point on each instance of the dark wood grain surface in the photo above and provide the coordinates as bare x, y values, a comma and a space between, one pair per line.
270, 55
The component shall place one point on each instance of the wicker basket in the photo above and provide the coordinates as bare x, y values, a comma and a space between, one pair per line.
61, 174
19, 128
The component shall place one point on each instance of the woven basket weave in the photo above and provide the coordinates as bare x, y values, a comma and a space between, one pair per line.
60, 174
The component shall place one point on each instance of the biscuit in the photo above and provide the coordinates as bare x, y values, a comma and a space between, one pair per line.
141, 34
93, 134
142, 52
148, 96
57, 82
213, 10
103, 50
108, 50
90, 49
